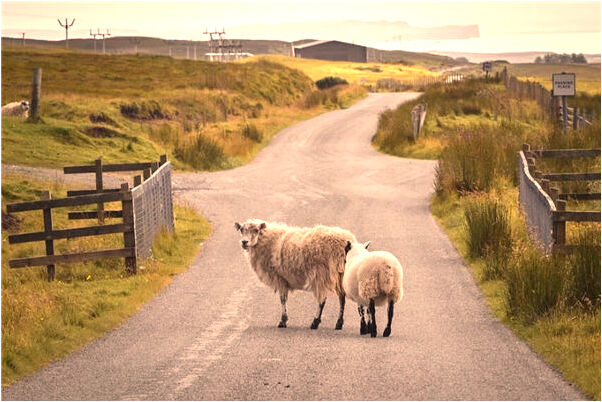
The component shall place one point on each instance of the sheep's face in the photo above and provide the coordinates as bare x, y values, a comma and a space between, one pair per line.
354, 250
250, 231
24, 105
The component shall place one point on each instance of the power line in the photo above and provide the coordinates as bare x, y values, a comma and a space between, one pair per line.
66, 26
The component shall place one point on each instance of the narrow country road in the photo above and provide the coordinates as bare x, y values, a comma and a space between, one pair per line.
212, 333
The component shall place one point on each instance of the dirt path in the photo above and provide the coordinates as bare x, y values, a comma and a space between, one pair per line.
212, 333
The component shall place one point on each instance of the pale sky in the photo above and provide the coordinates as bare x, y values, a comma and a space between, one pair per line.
503, 25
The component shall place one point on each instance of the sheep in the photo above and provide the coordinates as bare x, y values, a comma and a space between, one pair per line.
20, 108
289, 258
371, 279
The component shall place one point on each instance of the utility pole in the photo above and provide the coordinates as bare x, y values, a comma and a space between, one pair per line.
94, 40
23, 39
66, 26
103, 39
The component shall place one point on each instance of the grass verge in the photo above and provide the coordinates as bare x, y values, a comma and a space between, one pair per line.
567, 338
45, 321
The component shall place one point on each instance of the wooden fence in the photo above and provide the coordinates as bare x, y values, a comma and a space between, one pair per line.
145, 209
543, 205
576, 118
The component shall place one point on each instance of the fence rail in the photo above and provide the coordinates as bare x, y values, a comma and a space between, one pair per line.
544, 206
145, 209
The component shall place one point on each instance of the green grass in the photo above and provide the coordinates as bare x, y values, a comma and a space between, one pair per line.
568, 338
354, 73
125, 108
45, 321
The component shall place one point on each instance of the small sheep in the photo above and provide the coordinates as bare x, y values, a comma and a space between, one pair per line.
371, 279
20, 108
291, 258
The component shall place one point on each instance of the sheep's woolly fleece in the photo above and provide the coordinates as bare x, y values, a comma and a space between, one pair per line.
20, 108
292, 258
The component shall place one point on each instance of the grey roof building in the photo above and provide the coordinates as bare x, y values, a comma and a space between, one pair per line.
332, 50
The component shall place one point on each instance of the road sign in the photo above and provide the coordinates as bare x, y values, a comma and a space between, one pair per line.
487, 66
563, 84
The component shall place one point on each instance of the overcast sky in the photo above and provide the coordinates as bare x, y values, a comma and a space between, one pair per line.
525, 25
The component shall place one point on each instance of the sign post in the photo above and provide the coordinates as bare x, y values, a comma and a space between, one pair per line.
487, 68
563, 85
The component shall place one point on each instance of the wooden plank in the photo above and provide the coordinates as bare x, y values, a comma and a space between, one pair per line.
577, 216
564, 153
118, 167
580, 196
70, 258
66, 202
49, 243
129, 238
75, 193
69, 233
570, 176
94, 214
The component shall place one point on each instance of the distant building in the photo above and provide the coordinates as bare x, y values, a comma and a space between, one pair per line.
332, 50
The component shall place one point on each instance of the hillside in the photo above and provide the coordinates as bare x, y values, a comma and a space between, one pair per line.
124, 107
184, 49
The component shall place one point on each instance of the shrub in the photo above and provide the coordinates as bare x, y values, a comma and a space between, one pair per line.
146, 110
488, 227
329, 82
201, 153
391, 84
534, 284
251, 132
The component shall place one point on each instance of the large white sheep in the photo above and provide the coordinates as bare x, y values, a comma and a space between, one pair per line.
372, 279
20, 108
289, 258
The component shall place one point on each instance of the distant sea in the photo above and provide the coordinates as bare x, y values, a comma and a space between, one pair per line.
550, 42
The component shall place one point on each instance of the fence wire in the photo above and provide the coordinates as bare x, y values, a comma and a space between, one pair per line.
153, 209
537, 207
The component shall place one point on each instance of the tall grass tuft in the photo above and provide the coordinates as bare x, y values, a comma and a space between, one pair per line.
488, 227
201, 153
585, 269
535, 284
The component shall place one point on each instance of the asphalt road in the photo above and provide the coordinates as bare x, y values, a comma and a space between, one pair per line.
212, 333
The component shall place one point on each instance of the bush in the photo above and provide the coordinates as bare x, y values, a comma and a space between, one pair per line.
150, 110
535, 284
201, 153
488, 227
329, 82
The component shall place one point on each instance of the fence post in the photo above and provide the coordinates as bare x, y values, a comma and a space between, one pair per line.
146, 174
36, 91
545, 185
47, 229
162, 159
575, 117
560, 226
154, 166
100, 205
137, 180
129, 238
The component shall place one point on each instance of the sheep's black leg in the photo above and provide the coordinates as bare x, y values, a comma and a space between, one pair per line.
363, 325
341, 312
318, 319
284, 318
372, 313
390, 318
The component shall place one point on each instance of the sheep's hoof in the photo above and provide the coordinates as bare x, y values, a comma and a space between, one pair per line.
373, 332
282, 324
387, 332
315, 324
363, 328
339, 324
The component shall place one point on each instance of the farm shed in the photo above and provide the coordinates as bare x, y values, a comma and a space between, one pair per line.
332, 50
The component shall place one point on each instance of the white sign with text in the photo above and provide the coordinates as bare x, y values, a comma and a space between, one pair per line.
563, 84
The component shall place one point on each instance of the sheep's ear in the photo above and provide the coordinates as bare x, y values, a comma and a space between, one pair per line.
262, 226
366, 244
347, 247
237, 226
